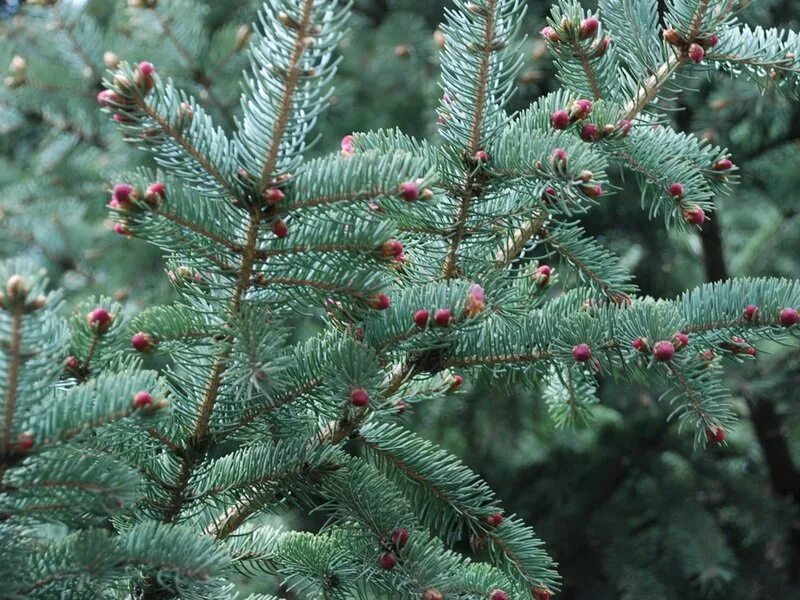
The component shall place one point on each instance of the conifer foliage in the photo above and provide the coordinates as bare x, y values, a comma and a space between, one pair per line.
121, 481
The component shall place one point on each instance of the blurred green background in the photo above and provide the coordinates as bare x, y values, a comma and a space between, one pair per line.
626, 505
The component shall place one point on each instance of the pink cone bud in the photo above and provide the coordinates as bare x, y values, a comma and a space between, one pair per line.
639, 344
590, 132
121, 229
589, 27
681, 340
495, 520
347, 145
724, 164
663, 351
559, 158
443, 316
592, 191
409, 190
25, 441
476, 301
581, 353
380, 302
279, 228
560, 119
359, 397
142, 400
696, 53
751, 313
399, 537
155, 193
392, 249
716, 434
387, 561
581, 108
676, 190
481, 156
273, 195
625, 127
456, 383
694, 215
542, 276
672, 37
542, 593
550, 34
789, 317
99, 319
142, 342
421, 317
498, 595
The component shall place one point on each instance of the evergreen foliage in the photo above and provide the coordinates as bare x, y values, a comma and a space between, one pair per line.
419, 259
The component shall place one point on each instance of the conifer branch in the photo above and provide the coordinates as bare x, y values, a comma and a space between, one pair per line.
195, 228
520, 239
12, 381
285, 103
481, 95
187, 145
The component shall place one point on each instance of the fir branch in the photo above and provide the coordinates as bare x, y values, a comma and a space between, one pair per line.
520, 238
285, 103
12, 380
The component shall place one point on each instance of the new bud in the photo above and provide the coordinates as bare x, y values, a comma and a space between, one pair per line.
111, 60
387, 561
347, 145
789, 317
560, 119
99, 319
696, 53
443, 316
380, 302
421, 317
581, 353
664, 351
279, 228
142, 399
550, 34
694, 215
672, 37
143, 342
409, 191
590, 132
359, 397
676, 190
716, 434
589, 27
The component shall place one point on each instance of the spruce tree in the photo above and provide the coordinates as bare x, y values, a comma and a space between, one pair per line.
417, 259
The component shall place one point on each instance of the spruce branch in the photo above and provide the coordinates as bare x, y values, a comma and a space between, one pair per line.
12, 380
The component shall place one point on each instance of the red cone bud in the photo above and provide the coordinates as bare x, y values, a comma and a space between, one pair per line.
457, 381
724, 164
550, 34
713, 40
481, 156
716, 434
639, 344
789, 317
672, 37
560, 119
421, 317
432, 594
143, 76
590, 132
559, 158
409, 191
142, 399
156, 192
696, 53
592, 191
401, 407
495, 520
694, 215
751, 313
581, 108
681, 340
476, 301
279, 228
443, 316
399, 537
581, 353
542, 276
498, 595
625, 126
347, 145
388, 561
99, 319
25, 441
392, 249
359, 397
542, 593
380, 302
72, 363
273, 195
663, 351
676, 190
142, 342
589, 27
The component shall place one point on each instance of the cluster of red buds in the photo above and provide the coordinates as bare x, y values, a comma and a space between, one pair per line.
664, 350
413, 190
121, 103
694, 48
569, 31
